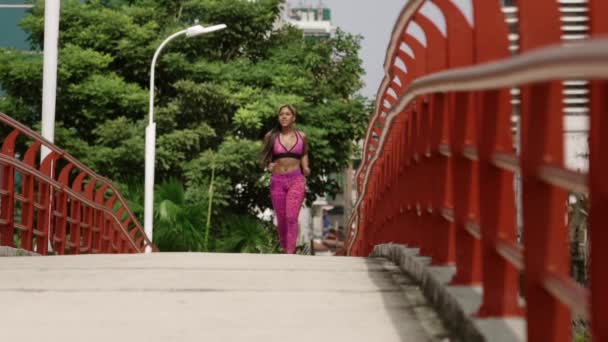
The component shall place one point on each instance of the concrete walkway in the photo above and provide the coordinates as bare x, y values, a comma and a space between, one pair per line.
211, 297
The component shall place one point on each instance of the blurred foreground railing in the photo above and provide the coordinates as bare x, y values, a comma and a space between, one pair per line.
439, 158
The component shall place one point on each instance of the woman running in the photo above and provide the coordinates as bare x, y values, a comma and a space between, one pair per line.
285, 155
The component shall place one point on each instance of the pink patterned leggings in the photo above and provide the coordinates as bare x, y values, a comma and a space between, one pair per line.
287, 192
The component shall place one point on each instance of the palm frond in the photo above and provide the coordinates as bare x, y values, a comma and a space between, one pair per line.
172, 190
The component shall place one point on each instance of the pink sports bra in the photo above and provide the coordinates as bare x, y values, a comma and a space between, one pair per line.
280, 151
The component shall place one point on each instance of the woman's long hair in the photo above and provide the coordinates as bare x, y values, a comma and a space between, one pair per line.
270, 137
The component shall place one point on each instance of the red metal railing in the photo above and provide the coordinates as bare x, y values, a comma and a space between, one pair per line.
438, 161
59, 204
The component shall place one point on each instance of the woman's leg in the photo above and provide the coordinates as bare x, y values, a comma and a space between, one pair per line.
295, 197
278, 195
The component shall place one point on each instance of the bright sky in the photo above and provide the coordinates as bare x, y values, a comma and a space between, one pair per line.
374, 20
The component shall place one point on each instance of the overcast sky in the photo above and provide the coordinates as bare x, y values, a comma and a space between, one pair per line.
374, 20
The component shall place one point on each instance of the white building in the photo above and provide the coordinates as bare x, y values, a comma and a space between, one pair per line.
314, 20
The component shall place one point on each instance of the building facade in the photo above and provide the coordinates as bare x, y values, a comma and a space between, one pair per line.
11, 13
313, 19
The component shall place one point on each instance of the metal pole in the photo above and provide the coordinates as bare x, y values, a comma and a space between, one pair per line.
49, 78
49, 83
150, 149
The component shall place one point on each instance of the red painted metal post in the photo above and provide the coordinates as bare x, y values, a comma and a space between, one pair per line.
111, 232
76, 216
436, 61
388, 207
599, 210
394, 198
458, 130
89, 216
497, 207
425, 180
380, 204
42, 227
383, 231
397, 229
408, 190
415, 187
45, 200
598, 185
130, 226
74, 226
370, 216
27, 210
119, 235
7, 193
380, 211
497, 201
7, 213
466, 190
544, 206
372, 206
444, 236
28, 194
59, 236
101, 219
124, 243
403, 229
61, 219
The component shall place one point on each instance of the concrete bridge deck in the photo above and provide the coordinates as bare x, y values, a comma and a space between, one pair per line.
211, 297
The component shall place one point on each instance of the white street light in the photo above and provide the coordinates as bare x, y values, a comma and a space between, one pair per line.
198, 29
49, 72
151, 129
49, 80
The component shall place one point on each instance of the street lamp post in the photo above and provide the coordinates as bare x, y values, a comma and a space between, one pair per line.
49, 78
150, 148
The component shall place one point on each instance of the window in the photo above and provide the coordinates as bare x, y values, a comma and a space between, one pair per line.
11, 13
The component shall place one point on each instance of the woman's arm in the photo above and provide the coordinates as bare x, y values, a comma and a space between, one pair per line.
304, 162
269, 165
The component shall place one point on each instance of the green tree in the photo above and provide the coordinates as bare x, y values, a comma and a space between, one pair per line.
217, 94
246, 234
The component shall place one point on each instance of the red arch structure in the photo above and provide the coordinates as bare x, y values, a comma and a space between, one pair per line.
438, 162
59, 203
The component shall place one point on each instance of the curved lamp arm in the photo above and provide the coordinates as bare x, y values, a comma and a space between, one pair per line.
158, 50
150, 143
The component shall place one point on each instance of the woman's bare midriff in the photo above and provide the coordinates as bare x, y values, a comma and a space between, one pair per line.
286, 165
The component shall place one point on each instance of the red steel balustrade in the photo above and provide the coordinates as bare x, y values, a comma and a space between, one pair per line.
439, 161
59, 206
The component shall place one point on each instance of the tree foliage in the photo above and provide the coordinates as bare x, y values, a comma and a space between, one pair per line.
216, 95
